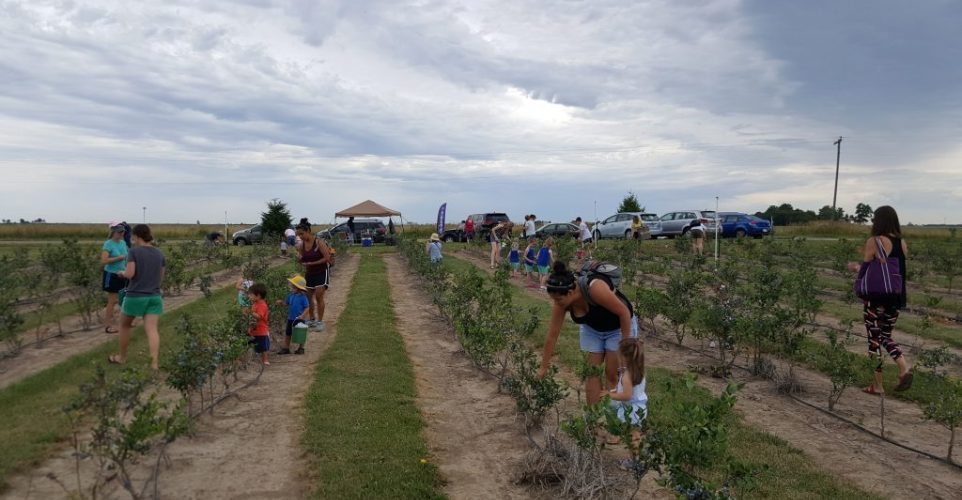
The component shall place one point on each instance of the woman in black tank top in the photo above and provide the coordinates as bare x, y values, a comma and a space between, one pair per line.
605, 317
315, 256
881, 315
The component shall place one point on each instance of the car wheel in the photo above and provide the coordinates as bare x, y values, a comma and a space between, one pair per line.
740, 233
628, 234
596, 236
449, 239
240, 242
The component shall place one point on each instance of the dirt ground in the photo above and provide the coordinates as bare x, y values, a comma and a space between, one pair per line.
852, 455
53, 351
472, 432
250, 447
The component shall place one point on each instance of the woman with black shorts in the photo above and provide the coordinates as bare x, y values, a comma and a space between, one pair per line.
112, 256
315, 256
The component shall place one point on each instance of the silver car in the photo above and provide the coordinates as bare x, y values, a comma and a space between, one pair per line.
676, 223
619, 225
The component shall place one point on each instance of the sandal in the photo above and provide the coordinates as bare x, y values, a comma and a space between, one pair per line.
871, 390
114, 359
111, 329
300, 350
283, 351
905, 382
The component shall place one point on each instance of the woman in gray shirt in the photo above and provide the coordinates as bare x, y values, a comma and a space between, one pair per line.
145, 271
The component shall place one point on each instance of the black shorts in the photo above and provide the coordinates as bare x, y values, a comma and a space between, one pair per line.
290, 326
112, 283
697, 234
261, 343
317, 279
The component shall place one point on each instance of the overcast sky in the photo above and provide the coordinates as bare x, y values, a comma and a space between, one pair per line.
194, 108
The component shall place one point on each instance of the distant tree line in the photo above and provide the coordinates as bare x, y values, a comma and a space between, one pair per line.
25, 221
786, 215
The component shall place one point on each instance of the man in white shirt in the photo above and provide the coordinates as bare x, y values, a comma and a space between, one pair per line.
529, 228
585, 232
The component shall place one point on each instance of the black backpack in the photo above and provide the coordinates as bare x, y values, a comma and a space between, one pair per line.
597, 269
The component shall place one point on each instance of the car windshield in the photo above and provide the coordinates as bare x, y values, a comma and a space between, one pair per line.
708, 214
756, 219
649, 217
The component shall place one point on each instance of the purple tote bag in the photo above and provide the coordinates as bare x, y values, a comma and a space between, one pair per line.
879, 279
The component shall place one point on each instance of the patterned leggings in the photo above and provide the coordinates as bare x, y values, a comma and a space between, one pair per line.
879, 323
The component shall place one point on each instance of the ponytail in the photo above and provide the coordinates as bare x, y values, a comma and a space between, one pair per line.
304, 225
561, 281
632, 350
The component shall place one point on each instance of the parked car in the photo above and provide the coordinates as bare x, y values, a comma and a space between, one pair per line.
484, 222
452, 235
676, 223
363, 228
619, 225
739, 225
557, 230
248, 236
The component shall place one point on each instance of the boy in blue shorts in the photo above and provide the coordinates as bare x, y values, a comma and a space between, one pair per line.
514, 258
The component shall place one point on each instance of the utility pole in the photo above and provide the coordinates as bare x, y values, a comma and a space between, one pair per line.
838, 157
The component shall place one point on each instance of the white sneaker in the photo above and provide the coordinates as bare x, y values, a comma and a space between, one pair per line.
319, 325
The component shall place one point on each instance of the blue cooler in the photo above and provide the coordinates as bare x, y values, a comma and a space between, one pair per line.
367, 242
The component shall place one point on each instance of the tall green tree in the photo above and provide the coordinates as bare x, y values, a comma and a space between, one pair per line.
863, 213
785, 215
630, 204
826, 213
276, 219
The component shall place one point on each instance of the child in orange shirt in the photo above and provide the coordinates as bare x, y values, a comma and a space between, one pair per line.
260, 335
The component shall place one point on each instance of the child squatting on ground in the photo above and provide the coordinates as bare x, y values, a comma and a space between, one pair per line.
297, 309
629, 399
260, 335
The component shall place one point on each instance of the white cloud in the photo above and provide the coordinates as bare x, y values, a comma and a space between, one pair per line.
196, 107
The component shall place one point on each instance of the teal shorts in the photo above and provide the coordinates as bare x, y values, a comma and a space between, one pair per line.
529, 268
545, 270
141, 306
515, 265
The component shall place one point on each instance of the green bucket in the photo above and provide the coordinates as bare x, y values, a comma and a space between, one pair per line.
300, 334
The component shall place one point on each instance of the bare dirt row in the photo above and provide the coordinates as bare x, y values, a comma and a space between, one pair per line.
249, 447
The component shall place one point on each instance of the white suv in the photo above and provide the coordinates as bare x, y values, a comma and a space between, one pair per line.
619, 225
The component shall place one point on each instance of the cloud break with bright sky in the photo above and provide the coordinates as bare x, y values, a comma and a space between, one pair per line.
194, 108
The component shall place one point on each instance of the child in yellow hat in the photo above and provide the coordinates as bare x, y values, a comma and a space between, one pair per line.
297, 311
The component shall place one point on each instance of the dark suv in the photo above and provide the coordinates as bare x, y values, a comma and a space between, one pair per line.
482, 225
484, 222
363, 228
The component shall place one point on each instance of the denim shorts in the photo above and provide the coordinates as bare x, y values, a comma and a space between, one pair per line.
597, 342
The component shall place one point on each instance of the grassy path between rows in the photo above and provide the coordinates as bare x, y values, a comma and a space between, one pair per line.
31, 410
363, 429
787, 471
